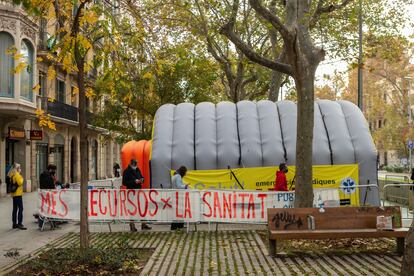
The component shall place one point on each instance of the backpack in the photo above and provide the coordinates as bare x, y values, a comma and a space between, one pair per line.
11, 186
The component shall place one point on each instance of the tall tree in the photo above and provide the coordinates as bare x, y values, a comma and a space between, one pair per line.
300, 24
141, 74
199, 21
80, 25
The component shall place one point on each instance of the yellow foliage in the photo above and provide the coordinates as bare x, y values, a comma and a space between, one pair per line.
17, 56
50, 57
39, 112
11, 50
36, 88
128, 98
20, 66
51, 73
89, 17
89, 93
39, 59
147, 75
84, 42
44, 119
75, 90
67, 63
51, 100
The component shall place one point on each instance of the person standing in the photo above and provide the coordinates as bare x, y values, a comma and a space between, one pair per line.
47, 178
281, 181
177, 183
47, 182
17, 214
117, 170
132, 179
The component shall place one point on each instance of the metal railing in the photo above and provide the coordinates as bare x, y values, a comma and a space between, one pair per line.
397, 192
408, 191
62, 110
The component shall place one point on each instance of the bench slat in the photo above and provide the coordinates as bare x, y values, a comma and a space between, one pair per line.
338, 233
332, 218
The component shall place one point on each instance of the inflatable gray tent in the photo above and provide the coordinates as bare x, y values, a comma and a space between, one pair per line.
255, 134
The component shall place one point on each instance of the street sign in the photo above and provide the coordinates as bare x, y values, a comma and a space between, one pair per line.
410, 144
36, 135
16, 133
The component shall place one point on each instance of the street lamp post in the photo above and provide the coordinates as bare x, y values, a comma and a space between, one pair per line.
360, 77
410, 146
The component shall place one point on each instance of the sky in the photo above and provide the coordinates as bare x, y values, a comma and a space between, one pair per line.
328, 66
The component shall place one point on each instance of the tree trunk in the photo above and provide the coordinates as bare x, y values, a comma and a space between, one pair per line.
274, 88
304, 140
84, 226
407, 268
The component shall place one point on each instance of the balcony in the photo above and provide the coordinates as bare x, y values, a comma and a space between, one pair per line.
64, 111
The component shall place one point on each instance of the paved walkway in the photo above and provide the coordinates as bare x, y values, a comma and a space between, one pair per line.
239, 252
23, 242
225, 252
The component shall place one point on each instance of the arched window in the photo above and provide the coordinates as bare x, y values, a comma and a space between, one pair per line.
26, 77
6, 65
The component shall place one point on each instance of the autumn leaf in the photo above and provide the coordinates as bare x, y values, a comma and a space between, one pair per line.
89, 17
147, 75
51, 100
75, 90
36, 88
11, 50
39, 112
90, 93
39, 59
20, 66
17, 56
51, 73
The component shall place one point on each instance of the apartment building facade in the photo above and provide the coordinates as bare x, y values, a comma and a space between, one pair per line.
21, 138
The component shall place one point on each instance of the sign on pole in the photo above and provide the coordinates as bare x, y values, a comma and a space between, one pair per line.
410, 144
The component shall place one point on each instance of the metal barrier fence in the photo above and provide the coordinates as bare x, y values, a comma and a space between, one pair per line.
397, 192
405, 194
109, 183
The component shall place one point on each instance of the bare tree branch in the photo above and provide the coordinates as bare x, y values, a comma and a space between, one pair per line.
227, 30
270, 17
321, 9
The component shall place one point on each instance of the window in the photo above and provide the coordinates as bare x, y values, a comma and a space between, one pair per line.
43, 84
60, 91
6, 65
26, 75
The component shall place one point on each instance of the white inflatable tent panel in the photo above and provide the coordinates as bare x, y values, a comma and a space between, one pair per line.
254, 134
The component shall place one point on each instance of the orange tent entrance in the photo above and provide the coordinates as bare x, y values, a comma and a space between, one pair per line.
139, 150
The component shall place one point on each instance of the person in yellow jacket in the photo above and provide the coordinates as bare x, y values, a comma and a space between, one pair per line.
17, 215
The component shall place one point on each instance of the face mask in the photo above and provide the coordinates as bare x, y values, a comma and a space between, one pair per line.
134, 167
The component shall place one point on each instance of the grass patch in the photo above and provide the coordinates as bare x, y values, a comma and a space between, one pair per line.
71, 261
332, 246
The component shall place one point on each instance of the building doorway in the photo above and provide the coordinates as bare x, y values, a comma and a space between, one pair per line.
59, 157
73, 160
41, 158
10, 157
94, 159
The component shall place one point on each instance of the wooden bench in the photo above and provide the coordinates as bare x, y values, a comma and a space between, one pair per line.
333, 223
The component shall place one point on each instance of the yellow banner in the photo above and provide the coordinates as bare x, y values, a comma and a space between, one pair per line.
263, 178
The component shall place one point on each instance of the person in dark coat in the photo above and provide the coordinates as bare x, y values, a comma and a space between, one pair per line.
47, 182
47, 178
133, 179
117, 170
